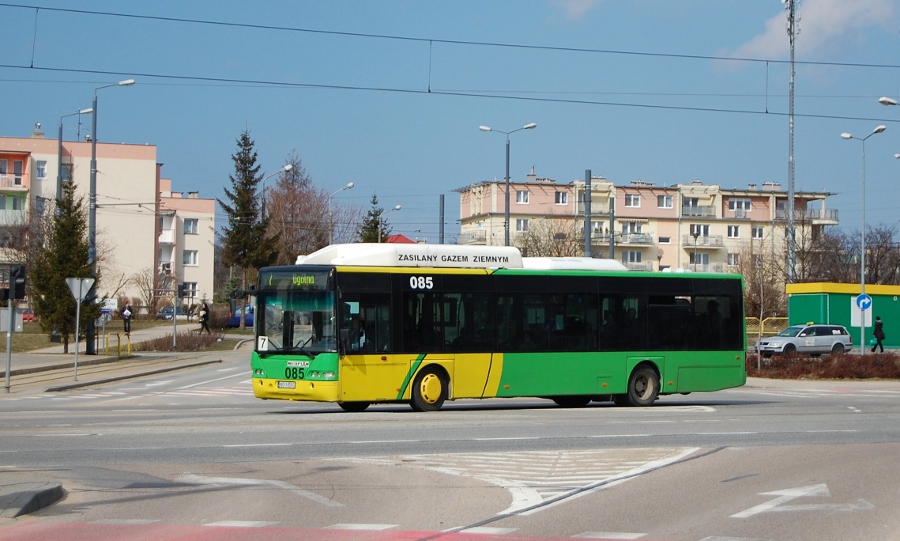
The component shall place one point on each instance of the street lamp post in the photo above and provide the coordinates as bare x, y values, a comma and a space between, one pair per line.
349, 186
380, 221
92, 211
286, 169
506, 213
92, 206
862, 249
696, 235
59, 167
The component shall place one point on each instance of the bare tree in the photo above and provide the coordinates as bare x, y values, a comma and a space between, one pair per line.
882, 257
763, 280
300, 216
546, 237
145, 282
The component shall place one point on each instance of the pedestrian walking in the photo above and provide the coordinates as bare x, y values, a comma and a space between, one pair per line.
879, 334
204, 318
127, 314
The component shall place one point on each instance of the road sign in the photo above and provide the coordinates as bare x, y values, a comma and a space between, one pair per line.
864, 302
79, 287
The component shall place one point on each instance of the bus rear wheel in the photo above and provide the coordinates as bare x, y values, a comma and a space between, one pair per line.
429, 390
643, 388
353, 406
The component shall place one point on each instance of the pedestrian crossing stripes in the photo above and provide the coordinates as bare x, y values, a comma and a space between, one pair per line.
135, 394
536, 479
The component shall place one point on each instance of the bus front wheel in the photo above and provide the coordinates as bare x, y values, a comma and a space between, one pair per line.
643, 388
353, 406
429, 390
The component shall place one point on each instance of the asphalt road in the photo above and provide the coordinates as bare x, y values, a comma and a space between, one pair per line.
191, 453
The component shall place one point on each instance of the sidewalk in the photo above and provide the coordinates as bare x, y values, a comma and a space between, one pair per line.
53, 358
25, 492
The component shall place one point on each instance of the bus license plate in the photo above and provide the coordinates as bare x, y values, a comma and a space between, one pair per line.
287, 384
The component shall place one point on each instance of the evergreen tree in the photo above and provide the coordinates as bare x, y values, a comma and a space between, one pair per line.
245, 240
374, 228
63, 255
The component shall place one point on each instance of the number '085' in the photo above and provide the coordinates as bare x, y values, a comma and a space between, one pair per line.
421, 282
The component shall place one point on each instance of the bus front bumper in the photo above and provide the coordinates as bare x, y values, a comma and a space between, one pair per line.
313, 391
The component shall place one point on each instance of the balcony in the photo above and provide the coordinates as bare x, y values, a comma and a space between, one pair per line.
10, 181
815, 216
711, 267
13, 217
642, 266
702, 212
711, 241
473, 237
596, 209
167, 237
634, 238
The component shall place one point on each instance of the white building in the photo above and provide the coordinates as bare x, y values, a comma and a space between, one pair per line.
131, 203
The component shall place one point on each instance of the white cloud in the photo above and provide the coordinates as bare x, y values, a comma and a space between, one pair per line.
824, 26
575, 10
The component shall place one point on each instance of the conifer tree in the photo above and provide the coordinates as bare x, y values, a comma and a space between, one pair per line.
245, 239
63, 255
373, 227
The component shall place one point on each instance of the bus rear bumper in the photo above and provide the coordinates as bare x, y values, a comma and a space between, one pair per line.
314, 391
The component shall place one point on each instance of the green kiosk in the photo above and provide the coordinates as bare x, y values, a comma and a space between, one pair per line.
827, 302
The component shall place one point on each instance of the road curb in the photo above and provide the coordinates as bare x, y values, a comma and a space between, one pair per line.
130, 376
22, 494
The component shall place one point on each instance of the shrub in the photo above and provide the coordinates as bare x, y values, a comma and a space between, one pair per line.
796, 366
187, 341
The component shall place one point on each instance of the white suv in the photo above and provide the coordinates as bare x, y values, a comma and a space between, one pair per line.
807, 339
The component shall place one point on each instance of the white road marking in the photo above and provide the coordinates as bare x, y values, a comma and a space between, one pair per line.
242, 523
609, 535
789, 494
242, 374
377, 527
241, 481
488, 530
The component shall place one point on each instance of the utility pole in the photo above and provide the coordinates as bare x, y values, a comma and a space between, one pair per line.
793, 29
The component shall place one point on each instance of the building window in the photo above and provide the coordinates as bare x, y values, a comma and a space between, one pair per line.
522, 224
699, 230
691, 202
41, 169
18, 171
734, 231
757, 261
190, 289
18, 203
633, 200
562, 198
631, 227
522, 196
756, 232
631, 256
734, 260
699, 258
664, 201
665, 240
190, 226
739, 204
190, 258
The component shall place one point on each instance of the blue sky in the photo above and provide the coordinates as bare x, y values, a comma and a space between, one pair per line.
665, 91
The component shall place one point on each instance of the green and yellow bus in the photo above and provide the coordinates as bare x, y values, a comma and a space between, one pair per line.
359, 324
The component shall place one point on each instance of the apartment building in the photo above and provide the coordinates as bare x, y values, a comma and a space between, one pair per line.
697, 226
128, 205
186, 242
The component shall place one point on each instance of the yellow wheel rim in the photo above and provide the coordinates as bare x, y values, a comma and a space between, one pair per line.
431, 388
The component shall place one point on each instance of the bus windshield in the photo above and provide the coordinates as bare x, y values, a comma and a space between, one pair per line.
296, 321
